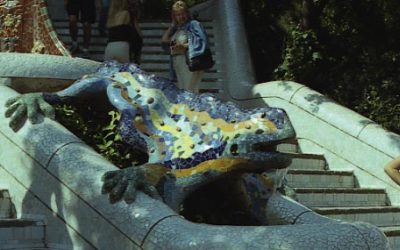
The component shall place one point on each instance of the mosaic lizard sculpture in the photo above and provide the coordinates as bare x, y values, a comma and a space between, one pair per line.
191, 139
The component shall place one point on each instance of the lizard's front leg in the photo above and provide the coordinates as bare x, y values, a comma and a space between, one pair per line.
31, 104
124, 183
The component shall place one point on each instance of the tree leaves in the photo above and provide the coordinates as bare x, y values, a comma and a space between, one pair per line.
349, 50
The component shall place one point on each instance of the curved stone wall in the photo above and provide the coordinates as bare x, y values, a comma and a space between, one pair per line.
53, 173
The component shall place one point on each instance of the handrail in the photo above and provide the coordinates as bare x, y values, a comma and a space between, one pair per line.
352, 141
233, 53
235, 50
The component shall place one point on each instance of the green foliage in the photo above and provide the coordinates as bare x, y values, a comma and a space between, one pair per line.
300, 56
98, 128
385, 111
348, 50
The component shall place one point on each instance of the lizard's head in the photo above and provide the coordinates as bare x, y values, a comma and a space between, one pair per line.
250, 138
258, 133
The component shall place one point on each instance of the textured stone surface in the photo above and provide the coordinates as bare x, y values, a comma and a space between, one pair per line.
41, 140
26, 65
281, 210
186, 235
230, 29
32, 207
71, 185
81, 169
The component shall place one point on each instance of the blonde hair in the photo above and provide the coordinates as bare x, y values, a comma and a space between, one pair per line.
180, 6
118, 13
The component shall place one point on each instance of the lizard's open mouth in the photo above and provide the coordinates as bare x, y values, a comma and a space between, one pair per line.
266, 147
271, 146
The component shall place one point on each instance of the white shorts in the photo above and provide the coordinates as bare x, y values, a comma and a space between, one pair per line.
187, 80
118, 51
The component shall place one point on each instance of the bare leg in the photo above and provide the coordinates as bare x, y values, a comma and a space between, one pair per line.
186, 80
73, 27
87, 33
73, 32
195, 81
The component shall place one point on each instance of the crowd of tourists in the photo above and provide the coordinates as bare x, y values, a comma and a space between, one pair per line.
185, 39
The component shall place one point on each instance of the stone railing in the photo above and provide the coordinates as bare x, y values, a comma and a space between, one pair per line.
348, 140
232, 48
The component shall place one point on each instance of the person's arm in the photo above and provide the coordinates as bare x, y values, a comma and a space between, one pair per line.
166, 38
393, 170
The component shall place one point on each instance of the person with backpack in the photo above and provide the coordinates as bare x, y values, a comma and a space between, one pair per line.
188, 45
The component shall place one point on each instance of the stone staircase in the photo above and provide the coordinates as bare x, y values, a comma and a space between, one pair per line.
337, 195
154, 59
17, 233
331, 193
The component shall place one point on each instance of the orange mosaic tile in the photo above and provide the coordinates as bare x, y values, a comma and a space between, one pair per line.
25, 27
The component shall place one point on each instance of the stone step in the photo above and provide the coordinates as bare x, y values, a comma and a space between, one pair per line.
148, 60
213, 76
102, 40
164, 66
393, 234
299, 178
162, 24
22, 234
100, 48
341, 197
151, 33
288, 147
308, 161
164, 58
209, 77
157, 41
382, 216
210, 80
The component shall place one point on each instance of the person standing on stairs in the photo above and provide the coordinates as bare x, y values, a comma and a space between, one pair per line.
184, 34
124, 35
85, 11
393, 169
103, 17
